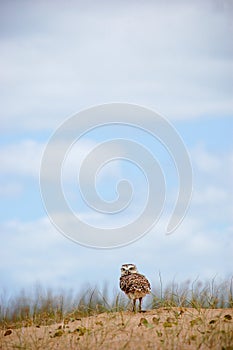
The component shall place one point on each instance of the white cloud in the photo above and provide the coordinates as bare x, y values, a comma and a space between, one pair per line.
147, 53
212, 169
207, 162
211, 195
39, 253
77, 154
213, 192
175, 57
21, 158
24, 158
36, 252
11, 189
32, 252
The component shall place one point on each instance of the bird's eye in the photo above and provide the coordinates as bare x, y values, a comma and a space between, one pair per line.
131, 268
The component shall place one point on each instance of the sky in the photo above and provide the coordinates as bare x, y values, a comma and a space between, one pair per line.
57, 59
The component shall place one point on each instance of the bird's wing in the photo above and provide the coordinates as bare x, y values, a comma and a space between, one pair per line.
134, 282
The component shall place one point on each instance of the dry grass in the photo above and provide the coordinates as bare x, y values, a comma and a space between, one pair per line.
186, 316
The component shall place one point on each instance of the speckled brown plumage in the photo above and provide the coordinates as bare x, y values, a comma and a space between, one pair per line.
133, 284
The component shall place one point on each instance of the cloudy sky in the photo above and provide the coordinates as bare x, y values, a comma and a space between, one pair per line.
175, 57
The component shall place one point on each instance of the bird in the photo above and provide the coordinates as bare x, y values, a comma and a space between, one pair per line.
133, 284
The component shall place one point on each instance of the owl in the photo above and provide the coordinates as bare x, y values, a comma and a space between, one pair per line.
135, 285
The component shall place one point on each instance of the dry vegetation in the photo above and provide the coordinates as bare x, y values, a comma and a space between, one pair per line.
187, 316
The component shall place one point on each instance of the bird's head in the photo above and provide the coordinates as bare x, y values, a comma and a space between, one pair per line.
128, 269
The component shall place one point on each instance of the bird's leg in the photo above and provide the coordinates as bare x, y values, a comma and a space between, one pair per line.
134, 305
140, 304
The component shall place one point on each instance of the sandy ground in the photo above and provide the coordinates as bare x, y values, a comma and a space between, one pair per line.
165, 328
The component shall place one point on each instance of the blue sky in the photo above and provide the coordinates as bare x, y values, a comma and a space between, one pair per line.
174, 57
